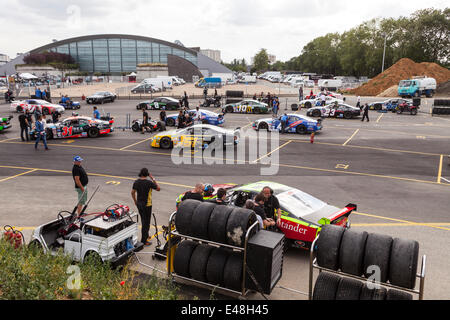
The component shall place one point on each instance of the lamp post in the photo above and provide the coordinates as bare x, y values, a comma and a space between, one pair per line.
384, 50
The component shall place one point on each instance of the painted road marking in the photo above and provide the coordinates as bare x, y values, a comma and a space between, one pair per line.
428, 224
439, 177
268, 154
94, 174
402, 221
18, 175
9, 139
379, 118
69, 141
342, 166
139, 142
113, 182
354, 134
421, 137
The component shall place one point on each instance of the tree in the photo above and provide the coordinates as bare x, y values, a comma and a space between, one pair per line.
261, 61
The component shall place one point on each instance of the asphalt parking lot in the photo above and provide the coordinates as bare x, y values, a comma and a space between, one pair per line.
395, 168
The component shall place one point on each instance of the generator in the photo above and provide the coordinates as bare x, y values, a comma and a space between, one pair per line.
264, 260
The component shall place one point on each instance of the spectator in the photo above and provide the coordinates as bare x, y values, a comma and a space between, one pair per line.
40, 133
259, 210
300, 93
221, 197
205, 93
254, 96
96, 113
47, 94
275, 107
358, 103
143, 188
24, 125
44, 95
269, 100
38, 93
186, 101
195, 194
81, 180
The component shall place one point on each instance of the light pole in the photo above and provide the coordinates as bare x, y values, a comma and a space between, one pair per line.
384, 50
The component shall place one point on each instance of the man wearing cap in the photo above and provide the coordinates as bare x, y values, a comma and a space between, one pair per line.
143, 187
81, 180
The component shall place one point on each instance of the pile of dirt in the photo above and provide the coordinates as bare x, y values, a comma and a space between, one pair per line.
390, 92
404, 69
443, 89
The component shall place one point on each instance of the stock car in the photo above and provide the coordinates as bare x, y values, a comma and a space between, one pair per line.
31, 105
101, 97
296, 124
208, 117
389, 105
308, 103
5, 123
247, 106
77, 127
196, 135
336, 110
302, 215
159, 103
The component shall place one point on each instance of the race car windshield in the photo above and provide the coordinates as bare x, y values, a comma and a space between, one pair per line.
299, 203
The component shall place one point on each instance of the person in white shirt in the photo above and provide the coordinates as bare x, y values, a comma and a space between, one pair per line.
358, 102
197, 116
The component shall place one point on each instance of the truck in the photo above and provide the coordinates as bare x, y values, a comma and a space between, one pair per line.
417, 87
209, 83
329, 84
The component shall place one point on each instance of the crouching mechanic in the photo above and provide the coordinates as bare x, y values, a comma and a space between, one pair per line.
143, 188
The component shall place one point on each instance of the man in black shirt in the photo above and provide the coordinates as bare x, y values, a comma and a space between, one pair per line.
81, 180
23, 121
221, 197
145, 120
181, 120
196, 193
260, 210
143, 187
271, 204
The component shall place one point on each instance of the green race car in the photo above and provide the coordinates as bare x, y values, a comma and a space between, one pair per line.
5, 123
247, 106
160, 103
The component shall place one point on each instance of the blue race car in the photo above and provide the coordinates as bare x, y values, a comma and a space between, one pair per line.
296, 124
208, 117
69, 104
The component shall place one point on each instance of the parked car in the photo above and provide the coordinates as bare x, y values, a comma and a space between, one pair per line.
296, 124
31, 105
208, 117
101, 97
160, 103
336, 110
247, 106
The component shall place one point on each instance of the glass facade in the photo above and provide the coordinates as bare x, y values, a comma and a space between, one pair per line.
119, 55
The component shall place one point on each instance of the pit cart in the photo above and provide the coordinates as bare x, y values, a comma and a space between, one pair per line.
110, 236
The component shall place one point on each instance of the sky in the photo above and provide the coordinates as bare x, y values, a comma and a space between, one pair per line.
238, 28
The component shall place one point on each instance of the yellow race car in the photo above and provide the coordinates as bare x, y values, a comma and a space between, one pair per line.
199, 135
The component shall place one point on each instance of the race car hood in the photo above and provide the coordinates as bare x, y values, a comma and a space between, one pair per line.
96, 96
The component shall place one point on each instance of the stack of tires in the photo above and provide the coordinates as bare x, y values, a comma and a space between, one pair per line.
370, 255
217, 223
441, 106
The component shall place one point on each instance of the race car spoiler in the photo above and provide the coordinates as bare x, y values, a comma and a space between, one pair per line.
345, 212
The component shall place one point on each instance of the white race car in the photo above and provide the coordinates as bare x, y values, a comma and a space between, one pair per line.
44, 107
308, 103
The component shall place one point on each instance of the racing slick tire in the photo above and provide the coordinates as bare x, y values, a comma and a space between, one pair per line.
301, 129
403, 263
165, 143
263, 126
328, 245
393, 294
200, 220
229, 109
256, 110
351, 252
19, 109
184, 214
170, 122
316, 113
93, 132
378, 107
399, 111
308, 105
199, 261
326, 286
232, 272
413, 112
377, 253
348, 115
217, 226
135, 127
93, 257
182, 258
372, 294
238, 223
216, 265
349, 289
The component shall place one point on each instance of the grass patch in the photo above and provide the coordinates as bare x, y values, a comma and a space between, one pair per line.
29, 274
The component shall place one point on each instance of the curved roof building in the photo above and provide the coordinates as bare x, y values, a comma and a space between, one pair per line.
117, 53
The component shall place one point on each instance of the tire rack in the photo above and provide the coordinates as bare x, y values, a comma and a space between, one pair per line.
313, 265
243, 291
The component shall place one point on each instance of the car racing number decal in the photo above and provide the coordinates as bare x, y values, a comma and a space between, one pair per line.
243, 109
67, 131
